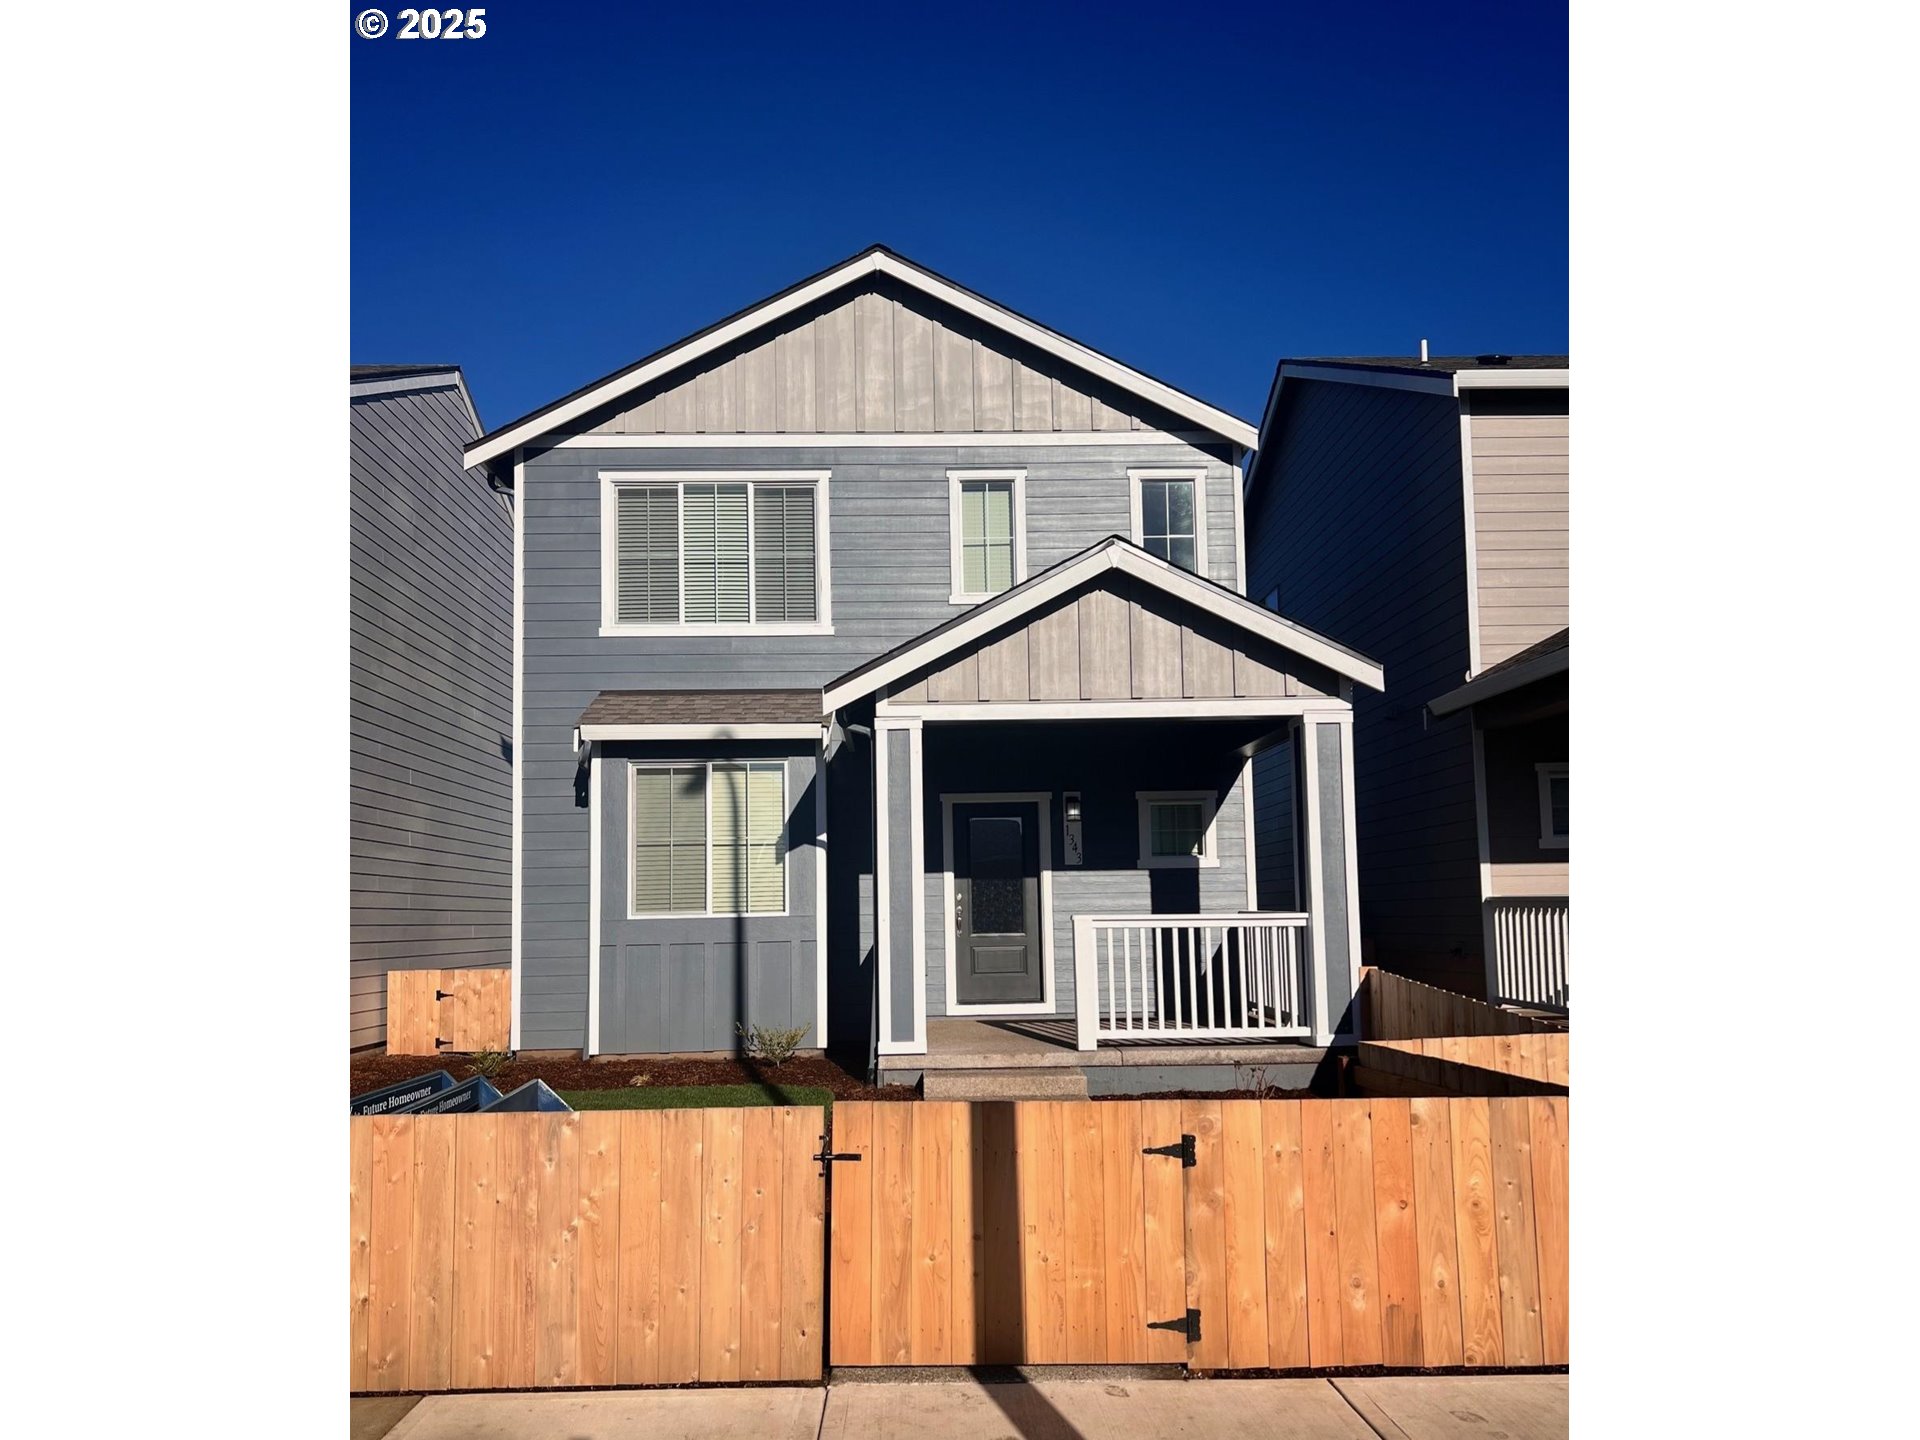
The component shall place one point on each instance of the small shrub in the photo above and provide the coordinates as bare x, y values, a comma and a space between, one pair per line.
768, 1043
489, 1063
644, 1077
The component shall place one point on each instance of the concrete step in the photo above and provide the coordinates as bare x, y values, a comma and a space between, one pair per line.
1028, 1084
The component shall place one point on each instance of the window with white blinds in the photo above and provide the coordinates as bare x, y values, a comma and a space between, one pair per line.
686, 553
987, 515
710, 838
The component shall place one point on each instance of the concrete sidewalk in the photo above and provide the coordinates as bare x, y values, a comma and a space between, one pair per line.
1490, 1407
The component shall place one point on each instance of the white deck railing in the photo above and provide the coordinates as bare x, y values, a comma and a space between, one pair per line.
1190, 977
1527, 952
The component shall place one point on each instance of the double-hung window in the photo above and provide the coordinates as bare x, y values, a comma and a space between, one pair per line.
1169, 515
714, 551
1177, 829
987, 522
709, 838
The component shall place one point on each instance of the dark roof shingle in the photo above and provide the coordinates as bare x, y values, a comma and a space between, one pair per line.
1438, 365
703, 707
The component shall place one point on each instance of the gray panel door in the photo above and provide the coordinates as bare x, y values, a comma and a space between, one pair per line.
996, 893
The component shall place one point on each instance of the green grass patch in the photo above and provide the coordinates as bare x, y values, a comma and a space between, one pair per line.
696, 1097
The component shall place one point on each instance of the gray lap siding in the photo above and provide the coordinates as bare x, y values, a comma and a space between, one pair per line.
1359, 523
888, 533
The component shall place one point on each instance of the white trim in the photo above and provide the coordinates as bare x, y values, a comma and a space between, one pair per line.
1438, 383
820, 894
1113, 555
795, 730
1505, 378
611, 482
1043, 799
1545, 773
882, 898
873, 262
1350, 828
1473, 541
955, 480
1239, 525
519, 737
1246, 811
1500, 682
1209, 803
1481, 832
917, 860
876, 439
594, 861
634, 767
1198, 475
1246, 709
1316, 880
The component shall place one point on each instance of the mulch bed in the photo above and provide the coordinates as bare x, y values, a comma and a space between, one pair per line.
371, 1070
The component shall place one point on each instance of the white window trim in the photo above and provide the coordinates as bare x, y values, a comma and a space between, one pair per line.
1048, 995
955, 479
612, 481
634, 767
1195, 473
1544, 776
1209, 856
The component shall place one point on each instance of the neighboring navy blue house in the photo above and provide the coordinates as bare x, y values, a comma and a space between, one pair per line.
1418, 507
431, 688
883, 664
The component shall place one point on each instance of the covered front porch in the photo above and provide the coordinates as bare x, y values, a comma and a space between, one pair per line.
1064, 837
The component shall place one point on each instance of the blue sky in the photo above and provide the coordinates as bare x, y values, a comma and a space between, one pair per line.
1196, 190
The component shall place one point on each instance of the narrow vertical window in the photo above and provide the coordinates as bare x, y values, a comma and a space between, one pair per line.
649, 555
1169, 521
986, 517
715, 543
749, 842
669, 840
783, 553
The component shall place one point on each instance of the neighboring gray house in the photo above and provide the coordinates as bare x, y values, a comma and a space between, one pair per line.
1418, 508
431, 688
883, 668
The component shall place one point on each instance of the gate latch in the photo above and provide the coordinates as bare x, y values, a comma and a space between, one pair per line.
1187, 1161
826, 1157
1187, 1325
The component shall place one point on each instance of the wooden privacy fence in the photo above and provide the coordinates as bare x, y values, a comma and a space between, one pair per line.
1437, 1025
606, 1248
430, 1011
1315, 1233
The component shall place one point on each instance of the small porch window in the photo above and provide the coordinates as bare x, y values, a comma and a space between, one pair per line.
1177, 829
987, 530
1169, 516
1553, 805
709, 839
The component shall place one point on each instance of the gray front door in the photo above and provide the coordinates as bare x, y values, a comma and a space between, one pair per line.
996, 902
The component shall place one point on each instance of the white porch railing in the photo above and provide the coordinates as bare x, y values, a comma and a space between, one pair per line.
1190, 977
1527, 952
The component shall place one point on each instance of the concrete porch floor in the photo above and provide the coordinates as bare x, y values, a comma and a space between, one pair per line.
1016, 1044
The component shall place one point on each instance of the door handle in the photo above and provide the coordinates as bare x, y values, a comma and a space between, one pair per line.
959, 908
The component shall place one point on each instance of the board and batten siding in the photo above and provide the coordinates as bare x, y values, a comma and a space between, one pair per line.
888, 532
1358, 522
1519, 445
430, 696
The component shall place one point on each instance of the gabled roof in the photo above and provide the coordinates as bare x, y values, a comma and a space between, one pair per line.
1538, 661
876, 260
367, 382
1112, 553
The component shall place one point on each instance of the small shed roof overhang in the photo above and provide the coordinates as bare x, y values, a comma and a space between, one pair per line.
1147, 638
1539, 661
702, 715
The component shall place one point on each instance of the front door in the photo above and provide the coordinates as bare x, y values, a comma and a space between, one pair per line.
996, 903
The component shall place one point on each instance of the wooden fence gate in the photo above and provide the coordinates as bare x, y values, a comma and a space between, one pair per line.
1315, 1233
639, 1247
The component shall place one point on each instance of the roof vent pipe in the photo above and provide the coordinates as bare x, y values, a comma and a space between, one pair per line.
1423, 352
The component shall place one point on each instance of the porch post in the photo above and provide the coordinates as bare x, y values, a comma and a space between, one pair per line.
1333, 898
899, 865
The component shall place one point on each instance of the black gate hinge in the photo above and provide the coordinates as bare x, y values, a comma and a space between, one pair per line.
1184, 1150
1187, 1325
440, 1043
441, 995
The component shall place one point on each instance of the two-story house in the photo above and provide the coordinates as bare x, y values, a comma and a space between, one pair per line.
1417, 508
883, 666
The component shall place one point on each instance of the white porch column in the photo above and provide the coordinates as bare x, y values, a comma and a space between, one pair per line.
899, 869
1327, 850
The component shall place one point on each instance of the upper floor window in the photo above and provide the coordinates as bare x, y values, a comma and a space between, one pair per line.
1553, 805
1169, 515
987, 522
713, 551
